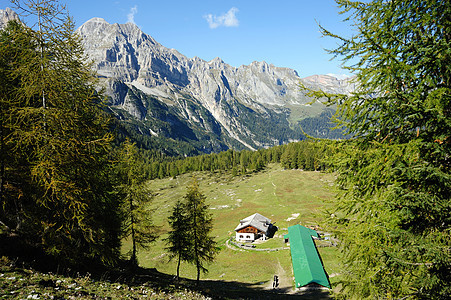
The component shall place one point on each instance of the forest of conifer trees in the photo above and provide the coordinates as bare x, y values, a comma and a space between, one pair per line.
67, 185
72, 189
305, 155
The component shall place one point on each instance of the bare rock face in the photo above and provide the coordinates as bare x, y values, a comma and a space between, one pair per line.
7, 15
330, 84
124, 52
212, 104
126, 57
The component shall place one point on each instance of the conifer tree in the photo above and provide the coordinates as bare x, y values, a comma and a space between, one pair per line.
200, 223
137, 222
394, 212
178, 240
59, 138
14, 166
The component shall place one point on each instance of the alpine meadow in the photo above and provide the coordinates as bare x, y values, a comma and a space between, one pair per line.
129, 170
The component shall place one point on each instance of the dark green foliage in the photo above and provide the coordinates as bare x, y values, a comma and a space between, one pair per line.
394, 212
15, 179
191, 224
133, 189
304, 155
178, 240
200, 223
56, 189
307, 155
322, 126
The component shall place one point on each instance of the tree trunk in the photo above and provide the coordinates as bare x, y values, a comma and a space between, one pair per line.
196, 256
195, 236
198, 271
2, 162
133, 258
178, 266
41, 48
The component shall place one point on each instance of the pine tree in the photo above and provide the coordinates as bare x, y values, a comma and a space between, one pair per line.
178, 240
394, 211
200, 223
137, 222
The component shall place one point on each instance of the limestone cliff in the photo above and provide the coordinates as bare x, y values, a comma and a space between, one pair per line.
204, 106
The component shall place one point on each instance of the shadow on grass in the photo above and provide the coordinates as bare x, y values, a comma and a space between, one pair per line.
26, 257
239, 290
219, 289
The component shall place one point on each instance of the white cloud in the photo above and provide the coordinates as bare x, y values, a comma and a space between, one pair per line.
228, 19
131, 14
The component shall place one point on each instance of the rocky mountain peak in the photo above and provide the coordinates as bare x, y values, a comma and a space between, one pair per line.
218, 63
96, 20
209, 103
216, 60
123, 53
262, 65
7, 15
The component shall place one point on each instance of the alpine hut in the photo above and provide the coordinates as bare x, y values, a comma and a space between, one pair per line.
253, 227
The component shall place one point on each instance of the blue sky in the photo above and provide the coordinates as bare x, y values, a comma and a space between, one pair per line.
284, 33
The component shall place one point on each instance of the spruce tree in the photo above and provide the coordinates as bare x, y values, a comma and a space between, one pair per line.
393, 214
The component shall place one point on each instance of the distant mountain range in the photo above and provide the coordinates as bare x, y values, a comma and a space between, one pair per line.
185, 106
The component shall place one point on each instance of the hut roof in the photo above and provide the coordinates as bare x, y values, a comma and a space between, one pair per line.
256, 220
307, 265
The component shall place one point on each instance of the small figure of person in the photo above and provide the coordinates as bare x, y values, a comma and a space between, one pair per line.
275, 283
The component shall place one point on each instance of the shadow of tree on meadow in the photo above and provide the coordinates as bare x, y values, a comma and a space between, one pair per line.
24, 256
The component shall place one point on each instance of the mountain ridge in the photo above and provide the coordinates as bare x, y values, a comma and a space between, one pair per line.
128, 55
160, 96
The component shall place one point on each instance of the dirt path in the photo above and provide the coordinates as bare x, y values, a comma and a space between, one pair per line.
285, 280
272, 182
231, 247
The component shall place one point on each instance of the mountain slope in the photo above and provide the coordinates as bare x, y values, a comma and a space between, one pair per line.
179, 105
7, 15
246, 107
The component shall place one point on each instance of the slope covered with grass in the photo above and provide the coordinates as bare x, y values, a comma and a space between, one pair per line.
287, 197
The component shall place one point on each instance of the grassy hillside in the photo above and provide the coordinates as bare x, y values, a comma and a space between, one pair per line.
288, 197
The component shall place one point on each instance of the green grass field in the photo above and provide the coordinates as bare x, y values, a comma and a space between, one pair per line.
300, 112
287, 197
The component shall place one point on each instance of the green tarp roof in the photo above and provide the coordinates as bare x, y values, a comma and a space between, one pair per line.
307, 265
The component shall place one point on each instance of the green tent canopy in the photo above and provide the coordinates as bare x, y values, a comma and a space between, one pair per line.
307, 265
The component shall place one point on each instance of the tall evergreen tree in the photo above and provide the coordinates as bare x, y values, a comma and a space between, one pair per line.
59, 138
200, 223
178, 240
14, 169
394, 211
137, 222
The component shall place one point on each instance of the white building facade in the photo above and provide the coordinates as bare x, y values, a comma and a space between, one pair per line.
252, 228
